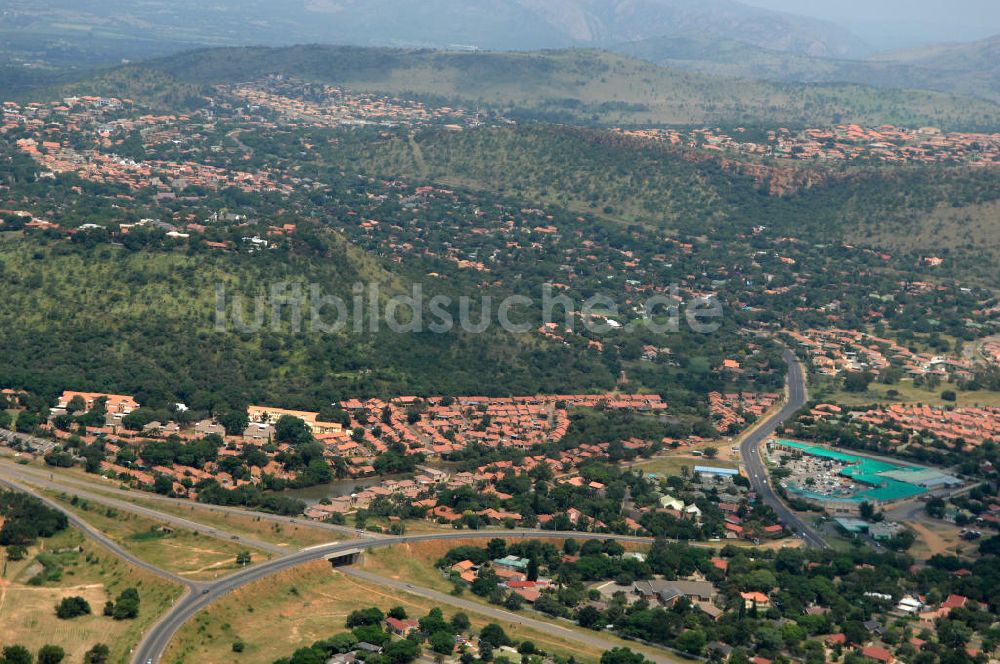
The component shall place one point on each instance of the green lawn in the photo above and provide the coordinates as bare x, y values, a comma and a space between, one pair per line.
672, 465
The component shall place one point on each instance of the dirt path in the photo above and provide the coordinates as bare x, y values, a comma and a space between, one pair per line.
418, 156
933, 541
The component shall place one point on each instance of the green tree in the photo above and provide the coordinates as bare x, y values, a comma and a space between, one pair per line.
292, 430
589, 617
401, 651
49, 654
532, 571
370, 616
243, 558
460, 622
235, 422
71, 607
99, 654
16, 552
494, 635
857, 381
127, 605
622, 656
691, 641
442, 642
16, 655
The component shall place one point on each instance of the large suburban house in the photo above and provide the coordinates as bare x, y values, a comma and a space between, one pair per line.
117, 405
669, 591
270, 415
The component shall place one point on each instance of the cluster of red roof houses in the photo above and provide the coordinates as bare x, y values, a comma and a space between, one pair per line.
444, 426
337, 106
732, 408
886, 143
974, 426
833, 351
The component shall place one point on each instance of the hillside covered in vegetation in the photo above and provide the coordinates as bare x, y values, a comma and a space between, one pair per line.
576, 86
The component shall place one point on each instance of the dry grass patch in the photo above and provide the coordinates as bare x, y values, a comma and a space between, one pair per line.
294, 608
27, 612
184, 552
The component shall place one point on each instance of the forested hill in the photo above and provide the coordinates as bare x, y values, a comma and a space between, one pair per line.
918, 208
575, 86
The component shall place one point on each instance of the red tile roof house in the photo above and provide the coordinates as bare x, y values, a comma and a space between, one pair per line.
877, 654
755, 599
401, 627
529, 595
463, 566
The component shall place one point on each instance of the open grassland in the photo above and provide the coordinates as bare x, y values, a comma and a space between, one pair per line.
674, 464
938, 538
75, 566
185, 552
907, 392
298, 535
294, 608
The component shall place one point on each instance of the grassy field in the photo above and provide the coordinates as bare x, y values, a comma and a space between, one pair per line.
907, 392
27, 612
665, 466
293, 536
292, 609
185, 552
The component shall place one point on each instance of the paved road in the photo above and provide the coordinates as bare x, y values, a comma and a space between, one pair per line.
108, 487
156, 641
101, 538
203, 595
502, 616
59, 484
199, 595
754, 464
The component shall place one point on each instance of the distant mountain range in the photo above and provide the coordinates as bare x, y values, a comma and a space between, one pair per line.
724, 37
486, 24
576, 86
969, 69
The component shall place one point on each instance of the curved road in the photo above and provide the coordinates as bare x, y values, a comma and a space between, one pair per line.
59, 484
159, 637
796, 397
103, 539
200, 595
29, 473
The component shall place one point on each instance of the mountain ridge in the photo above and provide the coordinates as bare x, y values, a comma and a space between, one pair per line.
968, 68
487, 24
572, 86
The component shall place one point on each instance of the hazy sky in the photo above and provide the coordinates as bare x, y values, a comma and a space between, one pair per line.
898, 23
